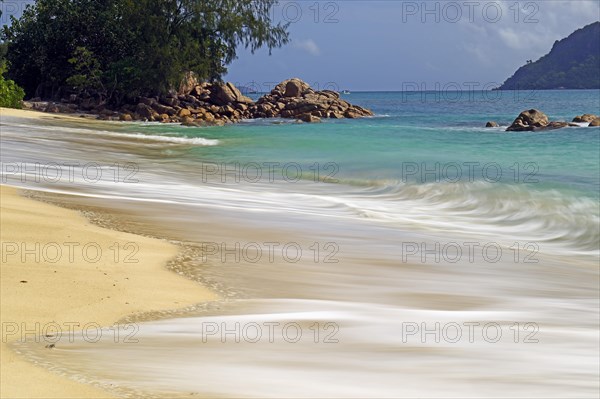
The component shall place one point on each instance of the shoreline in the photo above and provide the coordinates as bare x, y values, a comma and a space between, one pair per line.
37, 294
35, 114
385, 290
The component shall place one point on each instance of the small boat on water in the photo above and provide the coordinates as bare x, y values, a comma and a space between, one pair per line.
345, 92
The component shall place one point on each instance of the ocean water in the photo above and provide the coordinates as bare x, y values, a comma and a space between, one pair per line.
377, 239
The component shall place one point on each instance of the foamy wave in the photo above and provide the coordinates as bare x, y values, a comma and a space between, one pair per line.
364, 344
582, 124
106, 133
567, 221
166, 139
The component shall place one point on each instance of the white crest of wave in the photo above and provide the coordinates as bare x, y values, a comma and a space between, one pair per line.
167, 139
106, 133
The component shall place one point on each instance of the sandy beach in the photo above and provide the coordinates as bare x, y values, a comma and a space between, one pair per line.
74, 290
31, 114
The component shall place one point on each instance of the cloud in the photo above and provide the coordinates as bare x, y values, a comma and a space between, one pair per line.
307, 45
478, 47
525, 30
519, 40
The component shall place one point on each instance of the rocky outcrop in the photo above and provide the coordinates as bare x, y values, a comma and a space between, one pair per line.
144, 111
226, 93
201, 104
219, 103
188, 83
534, 120
292, 88
557, 125
491, 124
295, 99
595, 122
529, 120
60, 108
585, 118
309, 118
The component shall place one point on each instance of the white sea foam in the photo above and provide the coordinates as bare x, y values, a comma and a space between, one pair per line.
302, 348
581, 124
12, 131
166, 139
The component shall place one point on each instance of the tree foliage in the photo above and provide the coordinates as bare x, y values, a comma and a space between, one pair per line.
88, 67
133, 47
11, 95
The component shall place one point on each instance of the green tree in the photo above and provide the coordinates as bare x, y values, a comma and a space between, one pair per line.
88, 70
134, 47
11, 95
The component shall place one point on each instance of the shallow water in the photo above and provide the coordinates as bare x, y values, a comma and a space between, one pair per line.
362, 226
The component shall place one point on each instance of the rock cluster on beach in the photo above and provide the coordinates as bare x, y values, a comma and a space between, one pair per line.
535, 120
197, 104
294, 98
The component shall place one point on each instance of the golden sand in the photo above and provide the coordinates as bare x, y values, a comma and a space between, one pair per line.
30, 114
77, 289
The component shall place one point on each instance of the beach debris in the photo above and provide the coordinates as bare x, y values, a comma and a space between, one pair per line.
50, 346
23, 281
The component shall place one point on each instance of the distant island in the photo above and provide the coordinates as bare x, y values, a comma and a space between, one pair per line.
573, 63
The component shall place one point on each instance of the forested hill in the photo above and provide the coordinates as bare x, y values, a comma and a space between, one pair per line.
573, 63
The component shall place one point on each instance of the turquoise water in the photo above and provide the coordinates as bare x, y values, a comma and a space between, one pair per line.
424, 162
430, 153
421, 130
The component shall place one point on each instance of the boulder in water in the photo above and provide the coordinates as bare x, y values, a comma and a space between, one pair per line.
585, 118
529, 120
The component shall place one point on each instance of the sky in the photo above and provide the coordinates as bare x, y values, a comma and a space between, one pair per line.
405, 45
396, 45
